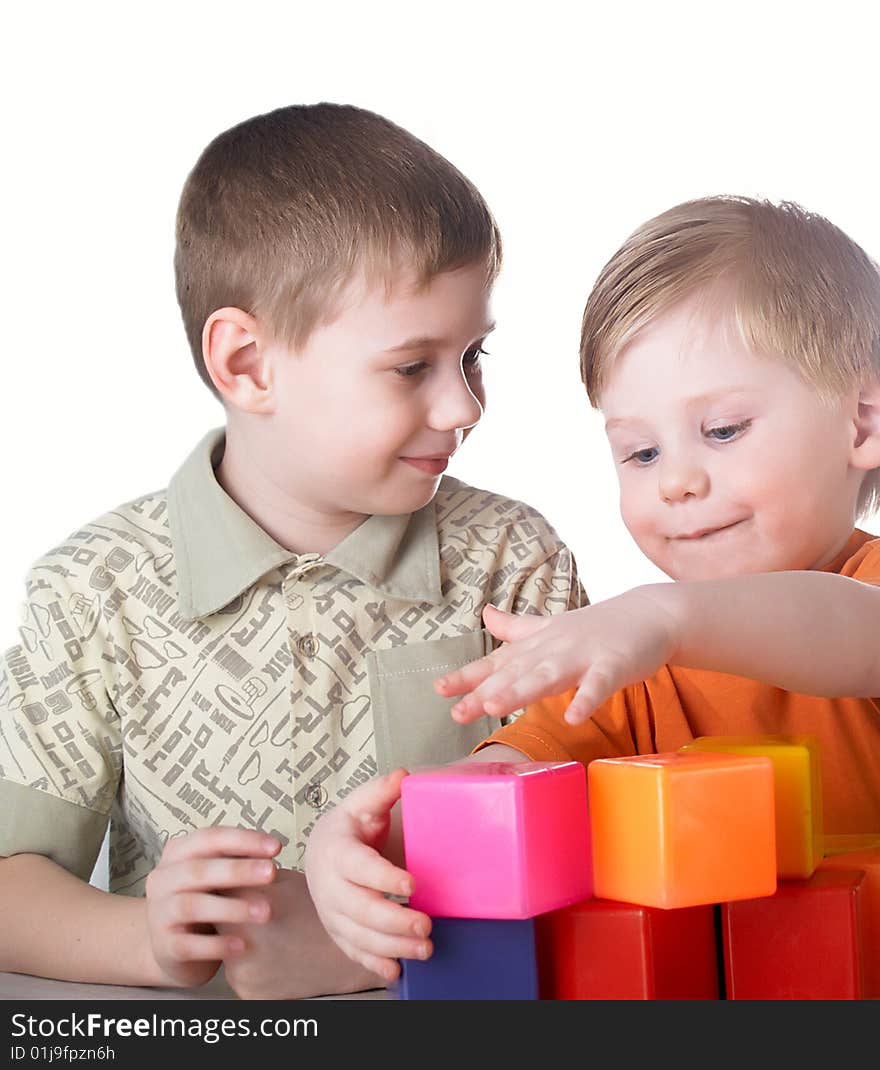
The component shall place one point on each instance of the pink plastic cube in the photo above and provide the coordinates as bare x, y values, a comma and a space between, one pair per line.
497, 839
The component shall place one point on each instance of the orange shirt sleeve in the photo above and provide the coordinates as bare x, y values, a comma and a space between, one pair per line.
864, 565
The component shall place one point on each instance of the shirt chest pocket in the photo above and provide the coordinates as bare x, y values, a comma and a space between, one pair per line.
411, 721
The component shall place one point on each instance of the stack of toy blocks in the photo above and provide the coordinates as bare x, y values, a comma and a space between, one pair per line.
663, 887
672, 834
490, 846
811, 939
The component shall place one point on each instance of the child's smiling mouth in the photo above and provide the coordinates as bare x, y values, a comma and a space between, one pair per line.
431, 465
702, 534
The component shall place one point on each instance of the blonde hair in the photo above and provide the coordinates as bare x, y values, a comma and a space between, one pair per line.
280, 211
800, 289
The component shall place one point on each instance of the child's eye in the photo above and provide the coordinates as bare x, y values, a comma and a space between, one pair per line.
472, 358
727, 432
642, 457
408, 371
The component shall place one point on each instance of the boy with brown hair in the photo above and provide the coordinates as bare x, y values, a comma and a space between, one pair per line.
209, 668
733, 347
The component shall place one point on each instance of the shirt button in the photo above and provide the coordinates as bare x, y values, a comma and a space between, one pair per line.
316, 796
307, 645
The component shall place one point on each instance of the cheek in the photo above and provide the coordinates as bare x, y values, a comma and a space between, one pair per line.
635, 506
770, 486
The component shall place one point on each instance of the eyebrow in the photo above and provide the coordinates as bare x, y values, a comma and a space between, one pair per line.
692, 403
426, 342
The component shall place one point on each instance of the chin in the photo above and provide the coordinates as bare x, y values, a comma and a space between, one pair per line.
410, 502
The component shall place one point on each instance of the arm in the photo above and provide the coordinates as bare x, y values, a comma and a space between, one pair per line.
811, 632
53, 924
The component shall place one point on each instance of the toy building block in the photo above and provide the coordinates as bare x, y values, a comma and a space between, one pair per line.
474, 959
869, 862
603, 949
681, 830
804, 942
797, 795
497, 839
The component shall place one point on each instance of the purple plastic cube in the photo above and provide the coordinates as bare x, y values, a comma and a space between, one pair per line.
474, 959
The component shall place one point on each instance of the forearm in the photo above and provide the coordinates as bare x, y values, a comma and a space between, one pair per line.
809, 632
52, 924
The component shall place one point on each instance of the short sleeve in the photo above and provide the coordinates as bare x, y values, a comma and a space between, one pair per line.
60, 738
553, 586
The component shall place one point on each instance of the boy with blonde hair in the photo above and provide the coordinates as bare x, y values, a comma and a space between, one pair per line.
209, 668
733, 347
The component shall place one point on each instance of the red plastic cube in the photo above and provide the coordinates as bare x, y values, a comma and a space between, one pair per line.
805, 942
604, 949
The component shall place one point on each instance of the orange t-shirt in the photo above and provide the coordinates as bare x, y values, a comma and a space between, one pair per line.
677, 705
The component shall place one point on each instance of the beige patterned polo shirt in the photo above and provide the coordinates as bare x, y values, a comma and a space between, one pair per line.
178, 668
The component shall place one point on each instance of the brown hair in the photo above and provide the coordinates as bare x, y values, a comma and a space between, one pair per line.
280, 211
801, 290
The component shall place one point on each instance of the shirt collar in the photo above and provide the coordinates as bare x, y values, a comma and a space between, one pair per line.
220, 551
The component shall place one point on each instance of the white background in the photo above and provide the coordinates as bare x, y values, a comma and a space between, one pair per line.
576, 123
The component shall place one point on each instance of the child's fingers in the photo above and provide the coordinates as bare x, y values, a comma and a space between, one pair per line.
191, 908
509, 627
195, 947
369, 941
388, 969
470, 676
596, 686
202, 875
373, 800
370, 910
517, 688
467, 709
366, 868
506, 691
219, 842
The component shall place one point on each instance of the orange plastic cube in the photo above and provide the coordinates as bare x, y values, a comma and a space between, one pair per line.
680, 830
869, 862
797, 795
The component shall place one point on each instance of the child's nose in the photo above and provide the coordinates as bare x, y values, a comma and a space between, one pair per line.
455, 405
680, 479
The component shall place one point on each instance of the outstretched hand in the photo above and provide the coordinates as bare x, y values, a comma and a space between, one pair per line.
596, 650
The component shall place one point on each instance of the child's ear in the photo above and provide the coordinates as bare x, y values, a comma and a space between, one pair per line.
866, 443
237, 361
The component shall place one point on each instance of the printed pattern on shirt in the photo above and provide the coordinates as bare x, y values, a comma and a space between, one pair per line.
258, 715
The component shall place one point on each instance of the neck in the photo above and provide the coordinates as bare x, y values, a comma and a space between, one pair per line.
250, 478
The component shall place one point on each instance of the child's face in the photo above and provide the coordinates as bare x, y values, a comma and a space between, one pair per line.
728, 462
369, 411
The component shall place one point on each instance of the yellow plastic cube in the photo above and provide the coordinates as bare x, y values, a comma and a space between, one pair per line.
797, 794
